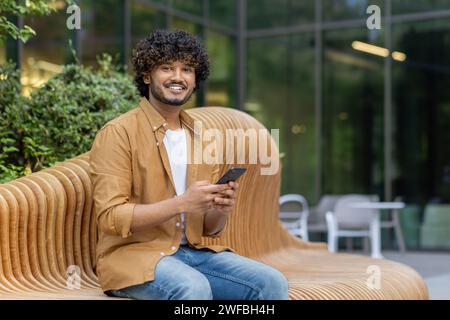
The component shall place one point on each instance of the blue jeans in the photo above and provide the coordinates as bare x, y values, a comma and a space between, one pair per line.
192, 274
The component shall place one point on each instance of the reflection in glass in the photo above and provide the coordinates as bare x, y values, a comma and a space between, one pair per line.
45, 53
221, 89
421, 102
421, 122
187, 26
281, 13
143, 19
408, 6
280, 84
102, 30
223, 12
353, 114
422, 111
190, 6
348, 10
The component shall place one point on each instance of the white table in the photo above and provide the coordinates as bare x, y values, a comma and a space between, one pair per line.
394, 223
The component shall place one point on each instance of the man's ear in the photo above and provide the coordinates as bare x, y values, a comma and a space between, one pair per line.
146, 77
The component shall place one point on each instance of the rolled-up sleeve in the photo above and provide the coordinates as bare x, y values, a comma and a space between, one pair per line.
111, 173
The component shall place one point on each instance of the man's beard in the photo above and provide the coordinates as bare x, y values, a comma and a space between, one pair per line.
159, 95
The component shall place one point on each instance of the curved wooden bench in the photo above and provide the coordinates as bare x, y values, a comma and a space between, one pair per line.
47, 224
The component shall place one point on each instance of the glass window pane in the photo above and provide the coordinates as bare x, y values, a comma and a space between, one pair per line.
144, 19
45, 53
408, 6
352, 113
281, 13
187, 26
223, 12
348, 10
421, 102
422, 106
102, 30
190, 6
220, 88
280, 85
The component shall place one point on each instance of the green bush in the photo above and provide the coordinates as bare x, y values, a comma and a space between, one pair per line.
10, 122
60, 119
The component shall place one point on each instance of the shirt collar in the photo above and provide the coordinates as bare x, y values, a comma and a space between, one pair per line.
157, 120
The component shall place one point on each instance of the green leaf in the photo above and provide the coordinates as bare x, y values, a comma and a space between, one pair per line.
9, 149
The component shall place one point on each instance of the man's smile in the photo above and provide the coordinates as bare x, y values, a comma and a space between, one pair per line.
175, 88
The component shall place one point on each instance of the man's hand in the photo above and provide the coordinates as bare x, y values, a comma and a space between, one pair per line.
225, 200
216, 217
201, 195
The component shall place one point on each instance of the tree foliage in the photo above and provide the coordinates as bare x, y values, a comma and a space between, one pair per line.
60, 119
13, 8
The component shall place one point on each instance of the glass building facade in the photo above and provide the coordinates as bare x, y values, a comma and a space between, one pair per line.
359, 111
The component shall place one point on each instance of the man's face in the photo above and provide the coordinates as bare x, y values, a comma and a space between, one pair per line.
172, 83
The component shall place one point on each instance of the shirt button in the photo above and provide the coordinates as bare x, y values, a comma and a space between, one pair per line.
157, 144
173, 248
162, 253
154, 128
165, 124
177, 224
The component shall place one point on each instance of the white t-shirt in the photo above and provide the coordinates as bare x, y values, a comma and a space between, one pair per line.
176, 147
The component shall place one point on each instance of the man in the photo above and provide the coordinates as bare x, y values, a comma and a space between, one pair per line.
152, 206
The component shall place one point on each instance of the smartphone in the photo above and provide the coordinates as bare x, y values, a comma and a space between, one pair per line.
231, 175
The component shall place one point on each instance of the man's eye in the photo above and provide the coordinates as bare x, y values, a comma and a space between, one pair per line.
165, 68
188, 70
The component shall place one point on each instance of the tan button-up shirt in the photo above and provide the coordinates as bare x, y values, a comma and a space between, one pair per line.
129, 165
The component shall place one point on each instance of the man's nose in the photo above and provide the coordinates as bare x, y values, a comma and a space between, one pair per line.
177, 75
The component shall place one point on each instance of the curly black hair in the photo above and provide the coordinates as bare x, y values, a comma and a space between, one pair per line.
163, 46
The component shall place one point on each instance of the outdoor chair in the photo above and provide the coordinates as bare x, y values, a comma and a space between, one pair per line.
345, 221
48, 232
294, 212
316, 220
393, 222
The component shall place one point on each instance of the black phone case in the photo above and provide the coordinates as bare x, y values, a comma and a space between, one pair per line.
231, 175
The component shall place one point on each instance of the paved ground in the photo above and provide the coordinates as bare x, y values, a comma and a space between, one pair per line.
433, 267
